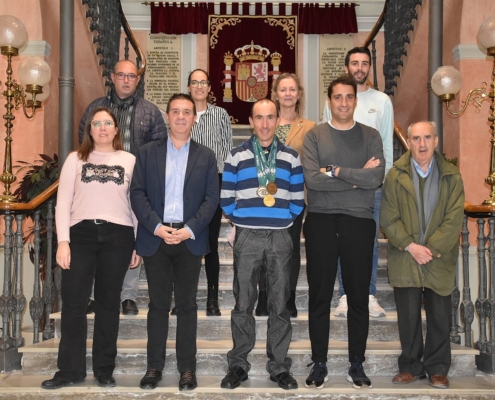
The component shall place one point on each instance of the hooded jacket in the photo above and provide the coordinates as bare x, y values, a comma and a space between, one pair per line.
399, 219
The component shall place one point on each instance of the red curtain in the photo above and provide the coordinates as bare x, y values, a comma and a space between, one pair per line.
177, 19
330, 19
180, 18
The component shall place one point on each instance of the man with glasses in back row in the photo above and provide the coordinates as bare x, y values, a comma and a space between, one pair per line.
140, 122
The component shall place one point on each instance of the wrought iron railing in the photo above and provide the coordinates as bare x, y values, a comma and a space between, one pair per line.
13, 300
107, 21
485, 301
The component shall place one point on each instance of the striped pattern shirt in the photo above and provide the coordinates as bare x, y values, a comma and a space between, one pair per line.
240, 201
214, 131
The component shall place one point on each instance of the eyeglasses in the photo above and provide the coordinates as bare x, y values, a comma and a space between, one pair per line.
98, 124
121, 76
199, 83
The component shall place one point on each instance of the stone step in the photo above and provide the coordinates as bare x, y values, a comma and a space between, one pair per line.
27, 387
216, 328
381, 358
384, 295
226, 256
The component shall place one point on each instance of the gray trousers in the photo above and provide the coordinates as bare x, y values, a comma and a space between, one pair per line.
252, 247
130, 286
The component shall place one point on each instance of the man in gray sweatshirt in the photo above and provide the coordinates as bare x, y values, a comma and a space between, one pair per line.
343, 165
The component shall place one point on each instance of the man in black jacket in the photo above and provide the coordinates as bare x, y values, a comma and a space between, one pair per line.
140, 122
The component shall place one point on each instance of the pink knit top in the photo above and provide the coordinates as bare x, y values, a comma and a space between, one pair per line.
96, 189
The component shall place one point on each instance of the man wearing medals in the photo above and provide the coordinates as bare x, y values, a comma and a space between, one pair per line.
262, 194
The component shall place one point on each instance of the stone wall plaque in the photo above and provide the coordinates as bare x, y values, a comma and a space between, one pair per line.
333, 49
163, 71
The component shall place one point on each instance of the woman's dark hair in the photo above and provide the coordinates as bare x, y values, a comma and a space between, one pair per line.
198, 69
88, 144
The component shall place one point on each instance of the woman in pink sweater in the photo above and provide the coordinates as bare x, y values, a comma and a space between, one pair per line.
95, 228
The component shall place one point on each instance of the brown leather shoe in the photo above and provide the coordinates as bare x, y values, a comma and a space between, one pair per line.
439, 381
404, 377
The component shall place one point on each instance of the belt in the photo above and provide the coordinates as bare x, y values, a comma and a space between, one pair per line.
176, 225
97, 221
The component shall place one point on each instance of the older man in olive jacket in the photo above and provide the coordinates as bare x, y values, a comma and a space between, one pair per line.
421, 215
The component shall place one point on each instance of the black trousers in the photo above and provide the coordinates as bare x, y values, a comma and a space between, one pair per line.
172, 268
328, 237
434, 356
212, 261
101, 253
295, 261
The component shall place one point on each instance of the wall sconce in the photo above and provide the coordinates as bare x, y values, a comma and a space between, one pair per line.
447, 81
34, 73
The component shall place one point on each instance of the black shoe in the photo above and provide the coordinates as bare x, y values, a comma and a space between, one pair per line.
90, 308
212, 302
150, 379
261, 309
129, 307
357, 376
285, 380
291, 304
57, 383
105, 381
234, 378
174, 311
318, 375
188, 380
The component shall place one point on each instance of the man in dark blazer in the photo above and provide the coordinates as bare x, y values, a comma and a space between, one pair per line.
174, 195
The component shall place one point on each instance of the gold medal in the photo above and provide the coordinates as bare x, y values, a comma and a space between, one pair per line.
261, 191
271, 187
269, 200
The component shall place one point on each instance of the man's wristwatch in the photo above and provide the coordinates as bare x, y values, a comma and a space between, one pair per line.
330, 169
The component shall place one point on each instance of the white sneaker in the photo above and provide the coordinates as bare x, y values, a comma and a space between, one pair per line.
341, 310
374, 307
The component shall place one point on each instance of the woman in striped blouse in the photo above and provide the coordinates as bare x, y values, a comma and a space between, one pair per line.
212, 129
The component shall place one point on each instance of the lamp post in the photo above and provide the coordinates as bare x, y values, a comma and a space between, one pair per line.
447, 81
34, 73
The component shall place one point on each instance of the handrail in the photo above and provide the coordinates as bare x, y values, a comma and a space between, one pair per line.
479, 209
378, 25
399, 132
32, 204
134, 42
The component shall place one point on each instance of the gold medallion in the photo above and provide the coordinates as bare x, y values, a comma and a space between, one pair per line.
269, 200
271, 187
261, 191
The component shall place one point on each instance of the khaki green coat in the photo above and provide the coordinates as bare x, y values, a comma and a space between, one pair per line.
399, 219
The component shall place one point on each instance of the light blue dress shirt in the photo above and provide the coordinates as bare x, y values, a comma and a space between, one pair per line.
175, 173
420, 171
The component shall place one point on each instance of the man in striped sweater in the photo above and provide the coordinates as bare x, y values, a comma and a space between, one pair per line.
262, 194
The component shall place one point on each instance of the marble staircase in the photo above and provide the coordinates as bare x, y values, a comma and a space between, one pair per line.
214, 341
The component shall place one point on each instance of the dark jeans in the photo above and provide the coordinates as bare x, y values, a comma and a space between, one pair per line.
436, 350
328, 237
295, 268
172, 267
103, 253
252, 247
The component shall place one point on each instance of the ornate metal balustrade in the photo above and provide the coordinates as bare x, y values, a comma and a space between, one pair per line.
107, 21
13, 300
485, 302
399, 16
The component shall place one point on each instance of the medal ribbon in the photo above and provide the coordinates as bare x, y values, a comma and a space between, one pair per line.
266, 168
